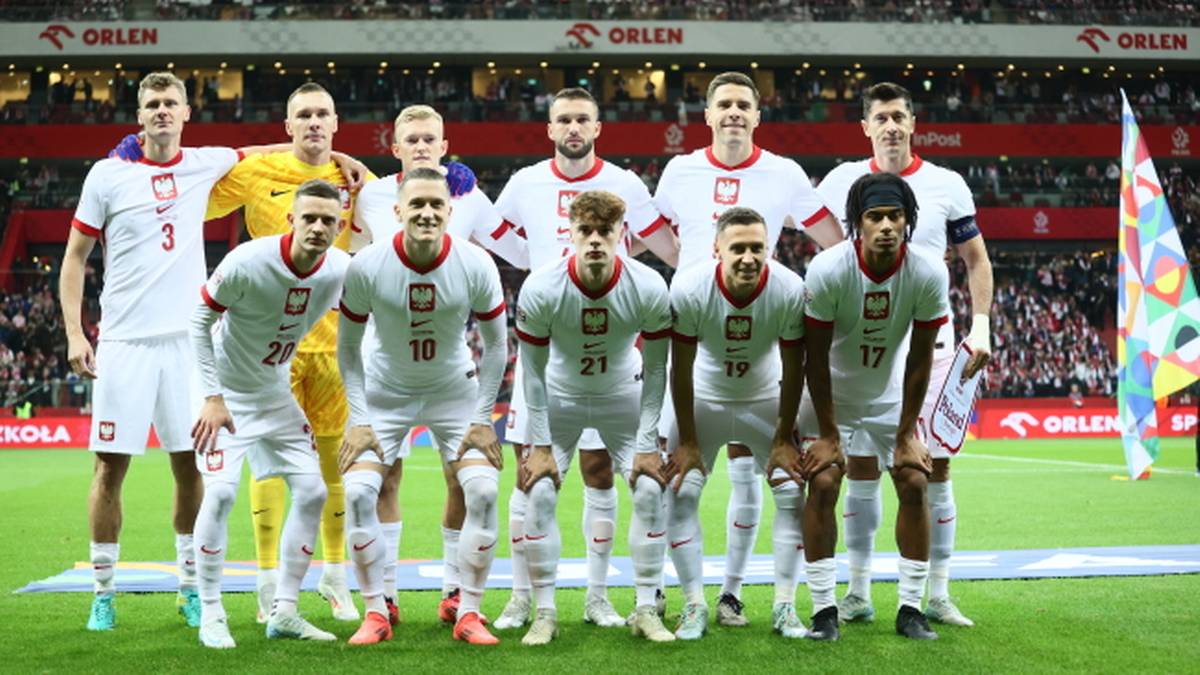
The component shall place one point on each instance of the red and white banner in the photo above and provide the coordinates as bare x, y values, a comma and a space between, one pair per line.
39, 433
1011, 418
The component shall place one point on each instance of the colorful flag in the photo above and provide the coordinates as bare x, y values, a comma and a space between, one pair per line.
1158, 312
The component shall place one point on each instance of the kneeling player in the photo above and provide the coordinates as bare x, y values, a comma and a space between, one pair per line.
725, 382
863, 295
421, 286
269, 293
579, 320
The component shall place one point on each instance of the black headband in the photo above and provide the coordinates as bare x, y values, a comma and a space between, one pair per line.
882, 194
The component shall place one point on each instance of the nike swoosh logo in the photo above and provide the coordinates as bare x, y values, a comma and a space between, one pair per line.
488, 547
734, 350
564, 230
677, 544
744, 527
598, 540
276, 193
338, 514
518, 540
189, 562
255, 513
530, 537
655, 535
101, 567
850, 515
592, 345
361, 547
943, 521
287, 326
306, 550
415, 324
163, 208
868, 331
204, 549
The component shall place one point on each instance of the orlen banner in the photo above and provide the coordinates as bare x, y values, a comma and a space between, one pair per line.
1012, 419
48, 432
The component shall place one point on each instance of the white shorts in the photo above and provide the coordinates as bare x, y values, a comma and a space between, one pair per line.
447, 413
278, 441
867, 429
516, 430
613, 418
139, 383
942, 360
751, 423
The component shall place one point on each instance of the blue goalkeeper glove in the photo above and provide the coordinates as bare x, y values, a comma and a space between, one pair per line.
460, 177
128, 150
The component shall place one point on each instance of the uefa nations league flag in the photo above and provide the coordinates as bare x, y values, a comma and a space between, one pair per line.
1158, 313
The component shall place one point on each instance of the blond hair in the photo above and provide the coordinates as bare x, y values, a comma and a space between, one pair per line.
159, 81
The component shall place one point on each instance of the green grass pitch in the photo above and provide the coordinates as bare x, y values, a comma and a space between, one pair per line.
1119, 625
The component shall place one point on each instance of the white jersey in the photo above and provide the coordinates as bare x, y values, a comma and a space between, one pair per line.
149, 216
592, 335
268, 306
871, 316
537, 202
695, 189
422, 312
738, 341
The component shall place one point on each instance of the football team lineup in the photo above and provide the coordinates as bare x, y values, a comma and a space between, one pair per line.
839, 376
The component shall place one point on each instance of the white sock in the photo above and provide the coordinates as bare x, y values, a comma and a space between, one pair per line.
741, 521
391, 537
943, 522
451, 576
913, 574
518, 502
647, 552
104, 563
364, 536
209, 538
861, 512
543, 543
299, 534
787, 539
599, 525
185, 561
822, 578
686, 537
477, 546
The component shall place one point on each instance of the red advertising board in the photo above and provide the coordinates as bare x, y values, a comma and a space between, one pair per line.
48, 432
1011, 418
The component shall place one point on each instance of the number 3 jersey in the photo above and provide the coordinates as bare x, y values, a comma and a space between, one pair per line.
267, 307
737, 356
870, 315
592, 334
421, 312
149, 218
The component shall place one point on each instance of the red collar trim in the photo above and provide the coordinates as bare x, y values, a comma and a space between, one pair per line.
398, 244
594, 295
880, 278
170, 162
913, 166
743, 304
591, 173
285, 252
755, 153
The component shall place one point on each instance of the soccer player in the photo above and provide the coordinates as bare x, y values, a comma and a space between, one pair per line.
693, 192
421, 287
150, 215
578, 321
266, 295
737, 368
265, 185
947, 216
420, 143
537, 200
864, 296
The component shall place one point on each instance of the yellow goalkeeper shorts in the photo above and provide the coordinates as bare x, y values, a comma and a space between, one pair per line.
317, 386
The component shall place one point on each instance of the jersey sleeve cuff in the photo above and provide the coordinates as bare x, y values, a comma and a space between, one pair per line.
491, 313
349, 314
821, 213
652, 227
212, 303
817, 323
656, 334
932, 323
532, 339
85, 228
505, 226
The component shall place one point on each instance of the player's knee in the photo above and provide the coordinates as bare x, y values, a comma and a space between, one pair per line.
310, 496
911, 486
941, 470
362, 493
690, 489
480, 489
110, 469
787, 495
597, 470
647, 497
219, 496
543, 500
825, 486
862, 468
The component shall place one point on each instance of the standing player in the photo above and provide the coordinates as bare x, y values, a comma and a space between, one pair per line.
265, 185
266, 294
947, 216
421, 287
864, 296
420, 143
737, 369
150, 215
579, 320
693, 192
537, 200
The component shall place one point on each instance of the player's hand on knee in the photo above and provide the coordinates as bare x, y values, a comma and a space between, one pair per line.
483, 438
358, 440
822, 454
685, 458
213, 417
354, 171
785, 456
82, 358
538, 465
649, 464
911, 453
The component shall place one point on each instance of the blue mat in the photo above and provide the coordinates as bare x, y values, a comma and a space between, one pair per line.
160, 577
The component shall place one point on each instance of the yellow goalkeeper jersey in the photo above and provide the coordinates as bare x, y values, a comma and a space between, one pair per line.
265, 185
